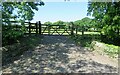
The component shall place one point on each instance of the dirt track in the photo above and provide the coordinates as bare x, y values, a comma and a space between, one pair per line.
60, 54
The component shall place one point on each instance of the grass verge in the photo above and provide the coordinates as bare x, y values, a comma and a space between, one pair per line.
92, 41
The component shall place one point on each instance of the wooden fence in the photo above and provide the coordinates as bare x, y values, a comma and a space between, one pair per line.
41, 29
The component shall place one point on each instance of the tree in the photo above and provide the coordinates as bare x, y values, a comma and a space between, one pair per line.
16, 11
78, 22
83, 23
48, 23
86, 22
19, 10
107, 15
58, 22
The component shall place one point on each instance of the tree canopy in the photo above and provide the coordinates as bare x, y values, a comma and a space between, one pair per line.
83, 22
107, 16
58, 22
48, 23
16, 11
21, 11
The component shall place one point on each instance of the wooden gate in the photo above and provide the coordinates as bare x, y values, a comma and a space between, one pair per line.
43, 29
55, 29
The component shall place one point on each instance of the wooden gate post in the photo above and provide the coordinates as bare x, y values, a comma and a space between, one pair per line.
39, 27
29, 28
72, 28
36, 27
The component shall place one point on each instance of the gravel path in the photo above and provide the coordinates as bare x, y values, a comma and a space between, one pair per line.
60, 54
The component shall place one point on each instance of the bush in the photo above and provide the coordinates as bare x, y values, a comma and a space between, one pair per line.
110, 35
10, 35
112, 50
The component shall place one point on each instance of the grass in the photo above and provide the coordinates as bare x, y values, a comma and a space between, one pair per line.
87, 41
80, 33
112, 50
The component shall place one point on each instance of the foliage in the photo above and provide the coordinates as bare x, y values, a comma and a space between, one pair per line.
48, 23
66, 23
16, 11
107, 15
86, 40
78, 22
61, 24
11, 35
58, 22
84, 24
19, 10
112, 50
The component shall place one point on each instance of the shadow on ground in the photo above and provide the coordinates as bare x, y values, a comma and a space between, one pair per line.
86, 39
55, 54
10, 53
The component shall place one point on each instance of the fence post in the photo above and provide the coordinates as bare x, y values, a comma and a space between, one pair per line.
36, 27
29, 28
72, 28
39, 27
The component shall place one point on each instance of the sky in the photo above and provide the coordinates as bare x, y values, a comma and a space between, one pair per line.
65, 11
